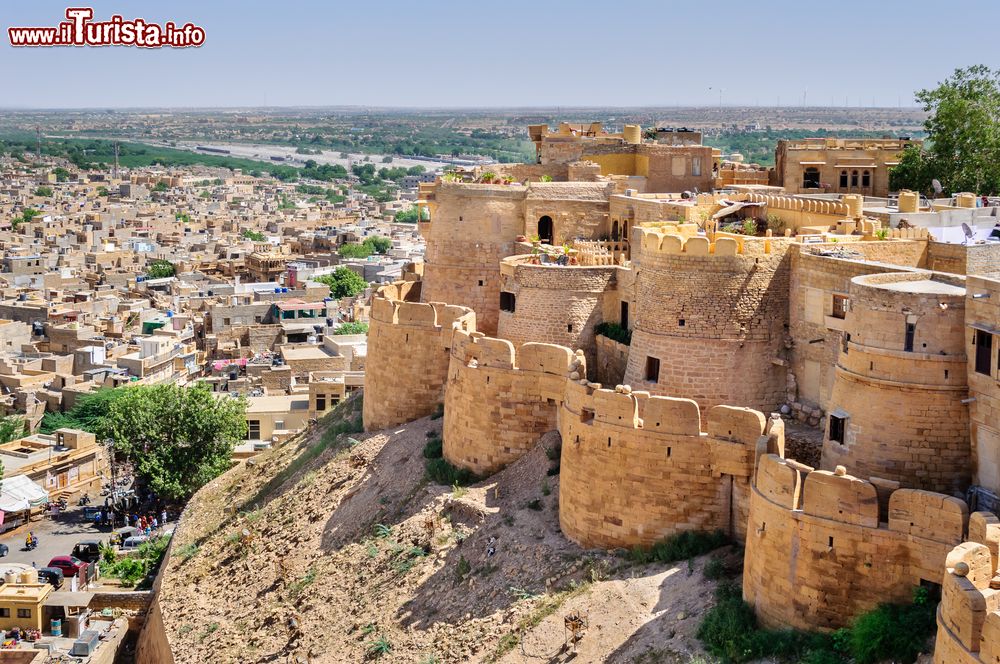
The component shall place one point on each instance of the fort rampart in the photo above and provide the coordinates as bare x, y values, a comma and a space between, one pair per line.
709, 312
499, 401
822, 548
968, 616
637, 468
408, 354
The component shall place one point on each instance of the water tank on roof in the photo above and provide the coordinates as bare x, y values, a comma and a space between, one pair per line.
277, 290
22, 297
284, 290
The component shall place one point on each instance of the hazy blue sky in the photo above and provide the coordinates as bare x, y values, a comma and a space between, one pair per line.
508, 53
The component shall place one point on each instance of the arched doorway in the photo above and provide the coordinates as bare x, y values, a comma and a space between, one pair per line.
545, 229
614, 231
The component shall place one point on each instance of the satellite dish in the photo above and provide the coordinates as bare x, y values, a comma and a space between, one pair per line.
969, 233
936, 184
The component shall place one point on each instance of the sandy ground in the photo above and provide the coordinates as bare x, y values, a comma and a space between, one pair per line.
355, 557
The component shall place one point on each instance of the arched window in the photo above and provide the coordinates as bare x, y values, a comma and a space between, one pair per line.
854, 178
843, 179
545, 229
615, 231
866, 179
810, 178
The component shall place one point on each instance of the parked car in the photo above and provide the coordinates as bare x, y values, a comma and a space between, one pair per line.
88, 550
119, 535
134, 542
52, 575
70, 565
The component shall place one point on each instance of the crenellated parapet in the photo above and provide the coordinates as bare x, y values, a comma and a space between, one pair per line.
823, 547
500, 399
968, 616
636, 468
408, 345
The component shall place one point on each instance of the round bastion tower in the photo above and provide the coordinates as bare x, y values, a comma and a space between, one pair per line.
711, 318
471, 227
896, 408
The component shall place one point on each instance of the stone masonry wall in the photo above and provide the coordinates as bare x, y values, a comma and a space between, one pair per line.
558, 304
968, 617
905, 420
472, 227
983, 314
710, 312
822, 548
498, 403
815, 332
408, 355
636, 468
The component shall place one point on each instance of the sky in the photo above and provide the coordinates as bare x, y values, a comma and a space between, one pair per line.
506, 53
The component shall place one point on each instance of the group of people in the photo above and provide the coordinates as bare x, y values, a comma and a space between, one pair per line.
148, 523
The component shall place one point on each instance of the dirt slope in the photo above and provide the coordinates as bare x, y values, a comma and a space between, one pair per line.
343, 552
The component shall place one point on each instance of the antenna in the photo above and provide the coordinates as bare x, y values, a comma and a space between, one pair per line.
969, 233
38, 141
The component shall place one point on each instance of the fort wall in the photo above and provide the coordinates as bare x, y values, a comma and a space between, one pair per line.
982, 341
968, 617
637, 468
408, 354
706, 312
822, 547
818, 290
472, 227
896, 408
499, 401
557, 304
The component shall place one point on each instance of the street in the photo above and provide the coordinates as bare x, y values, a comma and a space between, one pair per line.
56, 537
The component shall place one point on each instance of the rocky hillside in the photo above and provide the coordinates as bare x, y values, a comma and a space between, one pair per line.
337, 548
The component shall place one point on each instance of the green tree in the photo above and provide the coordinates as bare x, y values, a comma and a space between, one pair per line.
343, 282
352, 327
354, 250
12, 427
161, 187
102, 191
256, 236
61, 174
177, 438
378, 244
159, 268
44, 192
86, 414
963, 127
407, 216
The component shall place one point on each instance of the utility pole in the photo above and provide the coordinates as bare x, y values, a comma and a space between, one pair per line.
38, 141
110, 442
115, 175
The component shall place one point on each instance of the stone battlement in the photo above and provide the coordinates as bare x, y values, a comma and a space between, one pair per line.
652, 242
824, 547
968, 617
636, 468
500, 399
398, 390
